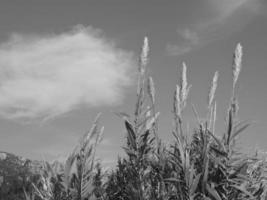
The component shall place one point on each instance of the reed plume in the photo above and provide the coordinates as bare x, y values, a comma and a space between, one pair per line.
177, 102
151, 89
213, 88
144, 55
184, 87
237, 63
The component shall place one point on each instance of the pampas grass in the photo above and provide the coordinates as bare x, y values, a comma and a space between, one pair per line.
237, 63
151, 89
213, 88
184, 86
206, 167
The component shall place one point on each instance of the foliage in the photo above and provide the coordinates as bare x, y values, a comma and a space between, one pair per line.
203, 167
16, 176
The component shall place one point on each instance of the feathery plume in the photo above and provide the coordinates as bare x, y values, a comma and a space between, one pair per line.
142, 65
213, 88
144, 56
151, 89
237, 63
184, 88
177, 102
184, 83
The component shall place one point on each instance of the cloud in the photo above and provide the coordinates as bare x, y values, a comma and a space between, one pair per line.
43, 76
225, 17
189, 35
190, 38
224, 9
177, 50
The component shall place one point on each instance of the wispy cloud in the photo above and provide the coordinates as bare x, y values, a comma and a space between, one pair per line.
224, 9
189, 35
43, 76
190, 38
222, 13
177, 50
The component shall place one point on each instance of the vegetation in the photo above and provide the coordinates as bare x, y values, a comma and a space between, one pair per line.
203, 167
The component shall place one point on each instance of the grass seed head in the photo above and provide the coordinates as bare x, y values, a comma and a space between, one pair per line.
177, 102
184, 83
151, 89
144, 55
184, 88
237, 63
213, 88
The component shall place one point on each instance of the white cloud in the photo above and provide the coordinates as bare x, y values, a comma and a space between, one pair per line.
45, 76
226, 17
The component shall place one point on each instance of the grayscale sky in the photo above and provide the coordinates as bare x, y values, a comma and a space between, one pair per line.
63, 61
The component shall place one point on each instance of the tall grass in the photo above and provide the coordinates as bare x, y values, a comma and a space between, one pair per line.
203, 167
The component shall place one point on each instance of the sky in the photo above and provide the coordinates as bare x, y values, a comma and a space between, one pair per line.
62, 62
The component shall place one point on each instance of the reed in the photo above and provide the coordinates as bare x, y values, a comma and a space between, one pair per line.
206, 167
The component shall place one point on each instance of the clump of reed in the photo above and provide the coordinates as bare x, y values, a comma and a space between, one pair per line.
203, 167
